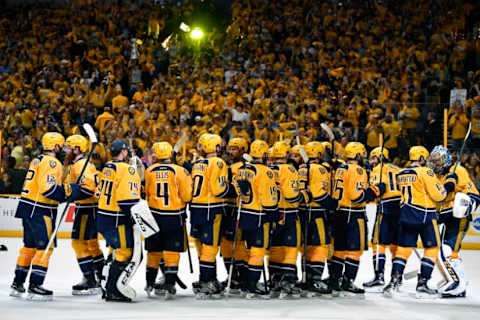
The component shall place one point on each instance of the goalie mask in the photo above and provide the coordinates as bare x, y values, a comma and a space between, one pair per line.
440, 160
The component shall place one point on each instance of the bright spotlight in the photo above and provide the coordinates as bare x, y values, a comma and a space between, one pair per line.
196, 34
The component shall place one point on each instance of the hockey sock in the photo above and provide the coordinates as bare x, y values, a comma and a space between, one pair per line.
171, 274
398, 265
275, 269
151, 275
86, 265
24, 261
351, 268
98, 263
315, 270
40, 267
426, 268
380, 267
254, 273
207, 270
335, 267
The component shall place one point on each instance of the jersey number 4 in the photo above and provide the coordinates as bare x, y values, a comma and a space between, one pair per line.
162, 192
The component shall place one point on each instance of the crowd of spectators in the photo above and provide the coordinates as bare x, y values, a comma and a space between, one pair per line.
279, 69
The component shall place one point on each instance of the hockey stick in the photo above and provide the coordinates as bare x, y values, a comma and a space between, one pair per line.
93, 139
304, 156
380, 211
463, 146
246, 159
136, 161
188, 248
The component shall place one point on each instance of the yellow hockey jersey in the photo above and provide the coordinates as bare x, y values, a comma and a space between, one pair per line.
350, 185
232, 176
260, 205
287, 182
420, 188
210, 184
119, 189
318, 183
88, 183
464, 184
168, 188
43, 176
390, 200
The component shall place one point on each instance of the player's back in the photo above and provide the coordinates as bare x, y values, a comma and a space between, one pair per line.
119, 184
167, 188
287, 181
318, 182
464, 184
209, 182
420, 188
43, 174
350, 184
390, 200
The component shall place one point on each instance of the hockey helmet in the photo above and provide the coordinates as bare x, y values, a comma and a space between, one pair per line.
51, 139
163, 150
238, 142
314, 149
352, 149
416, 152
280, 149
258, 148
79, 141
377, 151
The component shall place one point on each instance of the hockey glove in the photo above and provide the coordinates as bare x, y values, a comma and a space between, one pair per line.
244, 186
450, 182
305, 196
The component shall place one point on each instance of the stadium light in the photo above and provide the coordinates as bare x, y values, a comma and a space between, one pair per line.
196, 34
184, 27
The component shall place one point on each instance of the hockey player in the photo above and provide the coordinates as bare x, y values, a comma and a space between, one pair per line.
118, 191
210, 187
455, 226
421, 192
315, 181
295, 158
236, 147
350, 228
84, 232
259, 208
286, 233
42, 192
168, 188
385, 231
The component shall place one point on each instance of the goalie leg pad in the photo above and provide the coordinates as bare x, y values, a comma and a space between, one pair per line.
130, 269
144, 219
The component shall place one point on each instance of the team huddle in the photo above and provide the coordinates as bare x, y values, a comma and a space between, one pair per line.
252, 202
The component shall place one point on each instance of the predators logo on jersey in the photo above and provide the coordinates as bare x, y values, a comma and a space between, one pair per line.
350, 185
119, 185
88, 183
420, 188
43, 175
168, 188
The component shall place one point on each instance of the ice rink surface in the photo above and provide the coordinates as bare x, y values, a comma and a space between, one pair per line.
64, 272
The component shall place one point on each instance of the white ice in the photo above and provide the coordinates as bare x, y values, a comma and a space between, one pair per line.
64, 272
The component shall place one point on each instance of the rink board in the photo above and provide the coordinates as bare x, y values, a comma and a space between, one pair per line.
12, 227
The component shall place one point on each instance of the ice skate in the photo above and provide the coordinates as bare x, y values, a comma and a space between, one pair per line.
87, 287
350, 290
17, 290
423, 291
376, 285
39, 293
210, 290
317, 288
253, 292
165, 291
288, 290
392, 289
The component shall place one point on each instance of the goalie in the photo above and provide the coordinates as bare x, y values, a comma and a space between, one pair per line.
455, 216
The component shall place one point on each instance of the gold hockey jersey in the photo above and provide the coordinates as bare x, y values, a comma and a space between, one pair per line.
210, 182
350, 184
287, 182
168, 188
88, 183
390, 200
420, 188
119, 186
464, 184
44, 174
260, 204
318, 183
